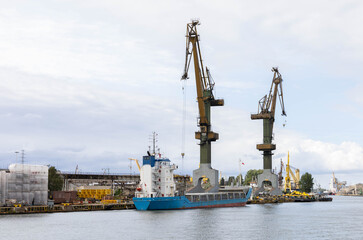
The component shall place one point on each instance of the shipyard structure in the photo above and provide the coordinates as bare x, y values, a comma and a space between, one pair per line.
266, 111
24, 184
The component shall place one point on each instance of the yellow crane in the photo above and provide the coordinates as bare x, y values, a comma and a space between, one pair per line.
137, 163
295, 176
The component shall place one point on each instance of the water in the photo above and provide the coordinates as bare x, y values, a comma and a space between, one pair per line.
340, 219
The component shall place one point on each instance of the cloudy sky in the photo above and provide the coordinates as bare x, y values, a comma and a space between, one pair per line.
86, 82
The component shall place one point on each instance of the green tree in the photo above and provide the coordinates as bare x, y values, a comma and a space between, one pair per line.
252, 173
306, 182
55, 181
222, 181
230, 180
239, 180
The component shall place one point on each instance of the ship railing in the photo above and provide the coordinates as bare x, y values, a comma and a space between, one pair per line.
206, 197
98, 173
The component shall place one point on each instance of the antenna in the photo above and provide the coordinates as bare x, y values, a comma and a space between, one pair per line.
153, 139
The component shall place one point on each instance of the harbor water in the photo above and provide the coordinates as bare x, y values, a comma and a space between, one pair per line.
340, 219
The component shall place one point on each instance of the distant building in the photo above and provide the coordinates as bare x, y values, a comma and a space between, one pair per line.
356, 189
25, 184
335, 186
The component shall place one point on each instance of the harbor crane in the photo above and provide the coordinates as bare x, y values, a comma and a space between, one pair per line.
295, 177
266, 111
205, 99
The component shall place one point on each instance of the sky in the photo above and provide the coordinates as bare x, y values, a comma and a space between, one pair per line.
86, 83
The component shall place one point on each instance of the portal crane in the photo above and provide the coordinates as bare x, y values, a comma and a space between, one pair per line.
266, 111
205, 97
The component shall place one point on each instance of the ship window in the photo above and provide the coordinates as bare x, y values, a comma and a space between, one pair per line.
203, 198
230, 195
243, 195
211, 197
236, 195
189, 198
224, 196
195, 198
218, 197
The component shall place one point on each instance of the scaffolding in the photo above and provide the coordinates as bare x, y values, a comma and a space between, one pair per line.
25, 184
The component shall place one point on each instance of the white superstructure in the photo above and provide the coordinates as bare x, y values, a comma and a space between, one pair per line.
156, 178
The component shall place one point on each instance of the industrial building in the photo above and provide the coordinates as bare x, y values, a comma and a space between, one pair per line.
24, 184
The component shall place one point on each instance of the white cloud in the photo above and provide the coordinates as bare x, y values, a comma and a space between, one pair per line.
87, 82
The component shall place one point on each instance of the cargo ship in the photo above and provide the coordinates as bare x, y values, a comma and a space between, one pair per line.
157, 190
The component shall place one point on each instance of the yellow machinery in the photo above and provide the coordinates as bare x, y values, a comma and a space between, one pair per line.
295, 176
137, 163
93, 193
109, 201
297, 194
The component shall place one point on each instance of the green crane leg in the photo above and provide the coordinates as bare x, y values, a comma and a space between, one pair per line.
267, 160
267, 139
205, 153
205, 145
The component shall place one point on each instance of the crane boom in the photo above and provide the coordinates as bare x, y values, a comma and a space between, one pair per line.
204, 81
137, 163
267, 105
287, 178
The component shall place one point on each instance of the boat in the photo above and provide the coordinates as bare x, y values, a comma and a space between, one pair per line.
157, 191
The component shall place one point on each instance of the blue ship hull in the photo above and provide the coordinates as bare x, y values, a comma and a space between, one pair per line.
181, 202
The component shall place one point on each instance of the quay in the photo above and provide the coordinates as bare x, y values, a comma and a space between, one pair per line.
65, 208
130, 205
289, 198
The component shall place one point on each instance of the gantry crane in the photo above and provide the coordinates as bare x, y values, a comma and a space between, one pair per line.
295, 176
205, 97
266, 111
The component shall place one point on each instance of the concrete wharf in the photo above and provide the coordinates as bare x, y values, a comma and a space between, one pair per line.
65, 208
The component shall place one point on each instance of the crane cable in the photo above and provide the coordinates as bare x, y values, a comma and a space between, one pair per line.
184, 115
